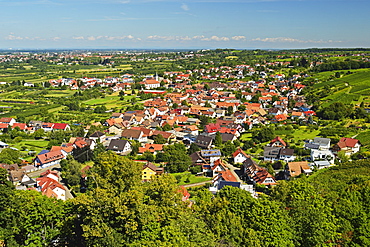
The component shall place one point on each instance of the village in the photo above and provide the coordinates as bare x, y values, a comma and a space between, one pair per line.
201, 116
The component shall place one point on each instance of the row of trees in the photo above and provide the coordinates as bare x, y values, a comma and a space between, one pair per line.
329, 209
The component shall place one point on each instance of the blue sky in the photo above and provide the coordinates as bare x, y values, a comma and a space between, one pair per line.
184, 24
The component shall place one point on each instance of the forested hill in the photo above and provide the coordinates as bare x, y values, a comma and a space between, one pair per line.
331, 208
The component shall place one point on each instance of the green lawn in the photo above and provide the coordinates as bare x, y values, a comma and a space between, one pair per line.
192, 178
30, 145
110, 101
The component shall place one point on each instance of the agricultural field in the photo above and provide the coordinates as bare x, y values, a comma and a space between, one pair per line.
349, 89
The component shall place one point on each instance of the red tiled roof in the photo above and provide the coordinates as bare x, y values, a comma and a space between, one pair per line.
4, 125
278, 139
228, 176
239, 151
347, 142
22, 126
50, 157
60, 126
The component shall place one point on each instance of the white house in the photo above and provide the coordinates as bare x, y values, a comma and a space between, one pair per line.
239, 156
317, 155
49, 185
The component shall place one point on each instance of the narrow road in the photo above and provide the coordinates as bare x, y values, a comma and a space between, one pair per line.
38, 172
232, 169
197, 184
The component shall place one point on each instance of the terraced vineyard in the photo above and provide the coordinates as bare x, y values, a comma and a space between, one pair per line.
349, 89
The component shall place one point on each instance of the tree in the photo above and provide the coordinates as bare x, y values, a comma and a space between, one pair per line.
193, 148
176, 157
313, 221
71, 171
263, 135
167, 127
100, 109
204, 120
38, 134
228, 149
218, 139
10, 156
242, 108
147, 155
230, 110
159, 139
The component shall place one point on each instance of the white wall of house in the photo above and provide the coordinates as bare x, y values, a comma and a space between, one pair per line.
239, 158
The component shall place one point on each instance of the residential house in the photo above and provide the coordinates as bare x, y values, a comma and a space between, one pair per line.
217, 167
150, 171
132, 134
197, 159
319, 143
116, 129
7, 120
166, 135
286, 154
226, 176
98, 136
21, 126
47, 158
204, 141
61, 126
320, 155
122, 147
297, 115
240, 156
49, 185
251, 172
4, 126
191, 129
348, 145
294, 169
153, 148
228, 137
212, 128
277, 142
210, 155
278, 153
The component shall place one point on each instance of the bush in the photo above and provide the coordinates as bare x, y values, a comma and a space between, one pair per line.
178, 178
195, 169
17, 139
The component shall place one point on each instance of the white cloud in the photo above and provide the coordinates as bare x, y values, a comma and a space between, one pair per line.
238, 38
216, 38
12, 37
292, 40
198, 37
185, 7
109, 38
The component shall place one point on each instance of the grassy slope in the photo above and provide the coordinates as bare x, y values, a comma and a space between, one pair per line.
349, 89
